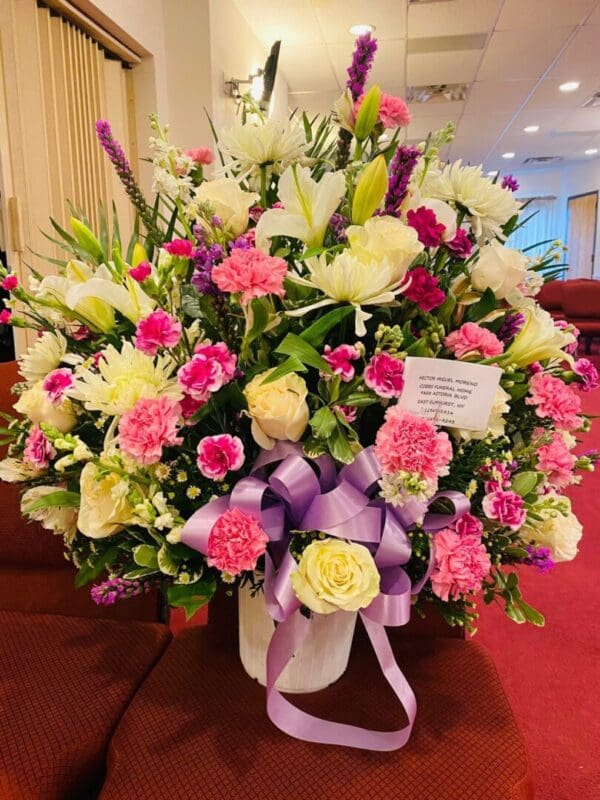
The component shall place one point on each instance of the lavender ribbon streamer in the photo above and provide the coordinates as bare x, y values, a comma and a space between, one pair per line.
309, 494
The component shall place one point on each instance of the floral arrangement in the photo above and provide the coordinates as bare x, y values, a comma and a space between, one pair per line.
260, 320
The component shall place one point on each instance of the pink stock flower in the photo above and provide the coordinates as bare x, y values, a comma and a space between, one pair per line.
554, 400
384, 375
217, 455
10, 282
201, 155
557, 461
148, 427
236, 542
587, 373
5, 316
57, 383
182, 248
424, 289
497, 476
347, 412
339, 359
461, 563
251, 272
428, 229
211, 367
411, 444
157, 330
506, 507
38, 450
141, 272
461, 246
471, 339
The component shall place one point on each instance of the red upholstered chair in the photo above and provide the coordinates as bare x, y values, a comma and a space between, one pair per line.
550, 297
581, 306
198, 728
65, 676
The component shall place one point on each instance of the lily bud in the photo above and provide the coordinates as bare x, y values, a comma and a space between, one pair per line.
139, 254
86, 240
370, 190
368, 113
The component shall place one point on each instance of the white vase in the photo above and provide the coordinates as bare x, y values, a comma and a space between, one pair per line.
321, 659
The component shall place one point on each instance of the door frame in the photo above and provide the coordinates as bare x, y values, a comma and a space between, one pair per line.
576, 197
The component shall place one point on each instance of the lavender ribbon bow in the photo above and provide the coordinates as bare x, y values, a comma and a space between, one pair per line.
310, 494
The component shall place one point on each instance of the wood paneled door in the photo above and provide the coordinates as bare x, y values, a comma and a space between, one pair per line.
582, 211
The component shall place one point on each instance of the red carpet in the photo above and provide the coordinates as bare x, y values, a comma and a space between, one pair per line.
552, 674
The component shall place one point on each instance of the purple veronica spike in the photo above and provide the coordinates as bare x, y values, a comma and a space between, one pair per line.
108, 592
511, 325
362, 61
401, 168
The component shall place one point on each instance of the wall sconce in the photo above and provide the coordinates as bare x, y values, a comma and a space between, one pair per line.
261, 82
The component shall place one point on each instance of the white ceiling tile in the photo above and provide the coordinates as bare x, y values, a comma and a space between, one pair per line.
582, 120
387, 71
482, 125
470, 150
307, 68
582, 56
548, 96
294, 23
423, 125
451, 19
564, 146
336, 16
513, 55
548, 120
534, 14
501, 96
595, 17
435, 68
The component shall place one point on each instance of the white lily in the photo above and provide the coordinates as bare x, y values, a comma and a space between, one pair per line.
96, 313
307, 207
129, 299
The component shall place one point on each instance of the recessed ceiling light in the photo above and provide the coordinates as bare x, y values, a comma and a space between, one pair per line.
531, 129
569, 86
360, 30
592, 151
493, 172
508, 155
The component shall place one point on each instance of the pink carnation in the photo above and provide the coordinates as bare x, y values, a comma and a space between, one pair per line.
557, 461
148, 427
554, 400
424, 289
461, 246
412, 444
461, 564
505, 507
38, 450
385, 375
339, 359
236, 542
57, 383
471, 339
211, 367
141, 272
217, 455
587, 373
428, 229
182, 248
10, 282
393, 112
156, 330
189, 406
201, 155
347, 412
251, 272
5, 316
468, 525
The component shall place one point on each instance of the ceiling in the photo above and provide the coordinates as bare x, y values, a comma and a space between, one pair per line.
512, 54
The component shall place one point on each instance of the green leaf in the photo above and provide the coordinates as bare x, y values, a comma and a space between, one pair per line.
407, 335
531, 614
524, 482
339, 447
444, 312
58, 499
360, 400
323, 422
291, 364
146, 555
293, 345
140, 572
485, 306
191, 597
168, 563
419, 348
88, 572
260, 308
316, 332
514, 612
191, 302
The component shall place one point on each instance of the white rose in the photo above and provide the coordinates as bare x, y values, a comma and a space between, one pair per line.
336, 575
500, 269
228, 202
34, 404
278, 409
54, 518
385, 238
104, 508
560, 532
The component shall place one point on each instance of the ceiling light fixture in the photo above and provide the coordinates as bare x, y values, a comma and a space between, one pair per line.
360, 30
592, 151
508, 155
492, 173
569, 86
531, 129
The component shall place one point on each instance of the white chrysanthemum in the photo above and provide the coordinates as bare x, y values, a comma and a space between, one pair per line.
122, 379
60, 520
43, 356
274, 144
489, 205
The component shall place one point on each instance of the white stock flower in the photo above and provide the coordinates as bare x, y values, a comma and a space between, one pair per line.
385, 239
227, 201
500, 269
43, 356
58, 519
274, 145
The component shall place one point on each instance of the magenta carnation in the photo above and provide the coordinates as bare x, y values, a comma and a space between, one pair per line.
211, 367
384, 375
411, 444
506, 507
217, 455
157, 330
557, 461
424, 289
428, 229
347, 412
236, 542
461, 246
340, 358
554, 400
141, 272
5, 316
201, 155
251, 272
57, 383
148, 427
587, 374
182, 248
461, 563
38, 450
10, 282
471, 339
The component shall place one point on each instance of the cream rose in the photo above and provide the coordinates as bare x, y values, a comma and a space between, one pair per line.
385, 239
228, 201
34, 404
560, 532
104, 508
278, 409
500, 269
53, 518
335, 575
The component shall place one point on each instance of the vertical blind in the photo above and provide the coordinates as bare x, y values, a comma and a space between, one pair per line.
545, 223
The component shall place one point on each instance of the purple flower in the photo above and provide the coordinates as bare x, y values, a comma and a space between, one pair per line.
400, 171
510, 182
338, 224
511, 325
540, 557
113, 589
205, 259
362, 60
